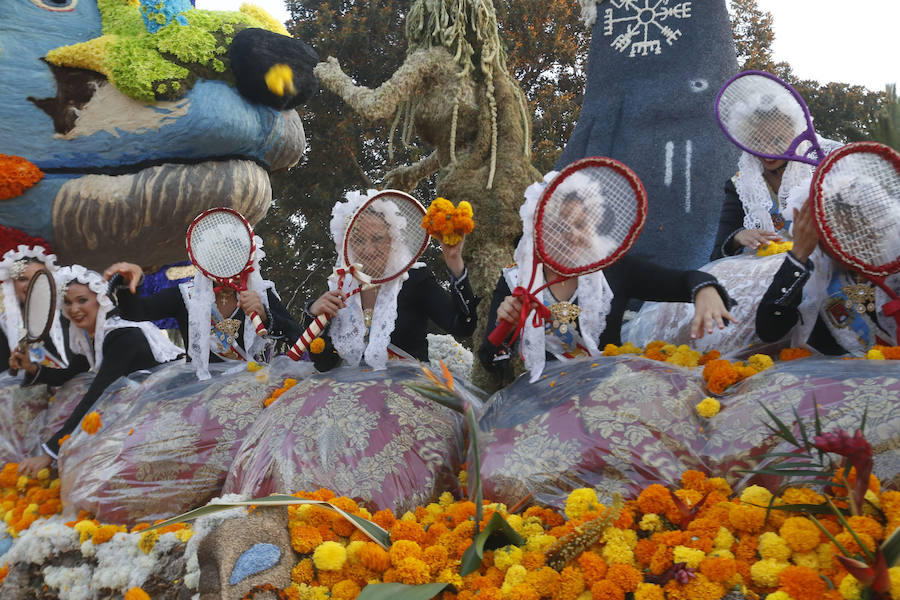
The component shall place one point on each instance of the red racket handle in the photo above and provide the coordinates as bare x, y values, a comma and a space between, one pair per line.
257, 322
311, 333
501, 332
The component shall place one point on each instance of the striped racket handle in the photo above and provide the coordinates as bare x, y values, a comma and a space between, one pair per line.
501, 332
257, 322
312, 332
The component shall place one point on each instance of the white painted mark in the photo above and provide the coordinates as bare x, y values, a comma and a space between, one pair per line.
688, 149
670, 150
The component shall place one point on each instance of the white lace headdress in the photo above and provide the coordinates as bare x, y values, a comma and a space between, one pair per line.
163, 350
200, 303
594, 294
348, 328
11, 321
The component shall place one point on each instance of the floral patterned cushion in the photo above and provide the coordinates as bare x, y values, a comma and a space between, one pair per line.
166, 443
363, 434
21, 411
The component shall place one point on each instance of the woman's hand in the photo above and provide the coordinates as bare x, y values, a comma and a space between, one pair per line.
31, 466
328, 304
509, 310
250, 303
805, 236
453, 256
130, 272
709, 310
754, 238
22, 361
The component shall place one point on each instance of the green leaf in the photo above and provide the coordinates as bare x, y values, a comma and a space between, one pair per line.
373, 531
475, 476
497, 533
846, 526
830, 537
891, 548
442, 397
783, 430
401, 591
820, 509
802, 429
862, 425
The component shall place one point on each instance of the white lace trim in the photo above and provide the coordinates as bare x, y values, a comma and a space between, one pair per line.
595, 295
348, 328
11, 321
80, 341
200, 298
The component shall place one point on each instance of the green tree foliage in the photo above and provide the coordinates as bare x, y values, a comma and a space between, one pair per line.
840, 111
547, 48
887, 127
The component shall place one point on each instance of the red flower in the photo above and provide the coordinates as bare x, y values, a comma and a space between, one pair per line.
875, 576
858, 453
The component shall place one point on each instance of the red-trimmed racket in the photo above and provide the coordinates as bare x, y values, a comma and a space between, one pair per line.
765, 116
855, 203
587, 218
40, 310
220, 244
383, 239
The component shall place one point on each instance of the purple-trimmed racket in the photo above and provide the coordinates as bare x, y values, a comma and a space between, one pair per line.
765, 116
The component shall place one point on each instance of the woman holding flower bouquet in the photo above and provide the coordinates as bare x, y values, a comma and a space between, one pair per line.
391, 321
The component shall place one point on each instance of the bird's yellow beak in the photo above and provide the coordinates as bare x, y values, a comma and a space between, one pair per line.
280, 80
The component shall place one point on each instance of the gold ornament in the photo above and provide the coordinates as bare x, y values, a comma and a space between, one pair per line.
367, 316
860, 297
229, 327
563, 314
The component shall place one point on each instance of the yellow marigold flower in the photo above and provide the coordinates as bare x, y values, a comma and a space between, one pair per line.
516, 522
183, 535
463, 477
618, 552
539, 543
515, 575
718, 484
253, 367
756, 495
850, 588
317, 346
795, 495
413, 571
85, 529
708, 407
629, 348
806, 559
760, 362
22, 483
774, 248
779, 595
875, 354
91, 423
772, 545
650, 522
721, 553
766, 571
43, 474
691, 556
724, 539
800, 533
581, 501
136, 593
894, 574
329, 556
303, 572
449, 575
648, 591
610, 350
507, 556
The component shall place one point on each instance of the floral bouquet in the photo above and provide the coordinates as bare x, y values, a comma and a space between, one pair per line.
448, 223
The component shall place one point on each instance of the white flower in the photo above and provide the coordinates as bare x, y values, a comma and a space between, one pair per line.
456, 356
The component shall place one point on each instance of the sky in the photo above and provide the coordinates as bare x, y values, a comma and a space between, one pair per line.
825, 40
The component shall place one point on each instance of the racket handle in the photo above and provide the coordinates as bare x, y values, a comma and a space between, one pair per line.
311, 333
13, 372
257, 322
501, 332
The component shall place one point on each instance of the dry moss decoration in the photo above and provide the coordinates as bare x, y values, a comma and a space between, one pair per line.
165, 64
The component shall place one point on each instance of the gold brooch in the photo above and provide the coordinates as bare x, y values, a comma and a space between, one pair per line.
367, 316
860, 297
229, 327
563, 314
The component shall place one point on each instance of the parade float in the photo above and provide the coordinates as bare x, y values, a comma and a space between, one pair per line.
651, 473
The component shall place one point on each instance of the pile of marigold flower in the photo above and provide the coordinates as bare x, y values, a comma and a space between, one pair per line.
448, 223
16, 176
718, 373
694, 543
26, 499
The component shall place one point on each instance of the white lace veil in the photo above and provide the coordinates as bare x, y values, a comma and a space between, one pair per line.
348, 328
200, 302
11, 320
163, 350
594, 294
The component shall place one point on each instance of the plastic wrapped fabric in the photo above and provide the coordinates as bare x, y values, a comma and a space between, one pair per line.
360, 433
843, 390
618, 423
61, 404
21, 410
166, 444
746, 278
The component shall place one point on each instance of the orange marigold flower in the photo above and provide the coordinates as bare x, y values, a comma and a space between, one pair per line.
374, 557
701, 588
861, 524
649, 591
655, 499
718, 569
719, 374
17, 175
136, 593
849, 542
345, 590
801, 583
91, 423
787, 354
644, 550
745, 518
436, 558
304, 538
544, 579
593, 567
795, 495
303, 572
104, 533
384, 518
625, 520
64, 439
317, 346
800, 533
693, 480
523, 591
571, 583
534, 561
624, 576
709, 356
607, 590
745, 550
407, 530
402, 549
413, 571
